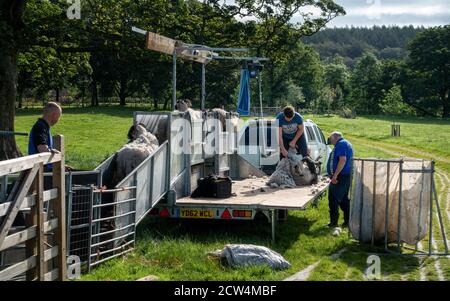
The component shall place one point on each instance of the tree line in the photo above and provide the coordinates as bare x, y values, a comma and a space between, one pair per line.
414, 80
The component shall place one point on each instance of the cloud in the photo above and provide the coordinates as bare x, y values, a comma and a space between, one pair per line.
393, 12
385, 12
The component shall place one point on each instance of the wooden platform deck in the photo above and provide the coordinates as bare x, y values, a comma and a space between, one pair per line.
255, 194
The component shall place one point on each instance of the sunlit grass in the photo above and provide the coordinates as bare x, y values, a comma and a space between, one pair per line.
178, 249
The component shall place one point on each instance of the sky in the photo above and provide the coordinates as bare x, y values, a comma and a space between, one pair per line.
393, 12
388, 12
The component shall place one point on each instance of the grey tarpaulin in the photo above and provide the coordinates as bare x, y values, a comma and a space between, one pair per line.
248, 255
376, 194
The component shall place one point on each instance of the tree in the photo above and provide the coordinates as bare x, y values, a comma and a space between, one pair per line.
336, 76
393, 104
429, 59
11, 26
365, 85
25, 24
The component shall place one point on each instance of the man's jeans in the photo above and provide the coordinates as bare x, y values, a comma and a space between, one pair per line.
338, 197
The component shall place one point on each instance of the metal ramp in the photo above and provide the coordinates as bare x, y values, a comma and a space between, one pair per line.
116, 212
118, 206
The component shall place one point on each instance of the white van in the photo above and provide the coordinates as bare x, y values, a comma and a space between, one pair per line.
262, 150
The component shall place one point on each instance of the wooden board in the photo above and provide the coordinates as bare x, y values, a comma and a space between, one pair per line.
160, 43
16, 165
167, 45
249, 194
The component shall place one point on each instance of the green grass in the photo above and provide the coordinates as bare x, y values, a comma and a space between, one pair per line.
425, 134
178, 249
91, 135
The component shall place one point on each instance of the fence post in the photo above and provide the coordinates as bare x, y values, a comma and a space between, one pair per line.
60, 208
39, 207
31, 245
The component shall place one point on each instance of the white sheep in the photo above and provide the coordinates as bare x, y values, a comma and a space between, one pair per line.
134, 153
292, 172
184, 105
232, 122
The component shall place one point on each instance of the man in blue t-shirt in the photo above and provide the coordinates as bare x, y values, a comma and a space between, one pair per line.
339, 169
40, 139
291, 131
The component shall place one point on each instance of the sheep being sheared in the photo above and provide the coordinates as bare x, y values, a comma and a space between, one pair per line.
135, 152
292, 172
302, 174
282, 176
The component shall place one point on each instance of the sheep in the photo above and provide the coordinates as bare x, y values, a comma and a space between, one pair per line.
184, 105
233, 121
292, 172
303, 173
135, 152
282, 176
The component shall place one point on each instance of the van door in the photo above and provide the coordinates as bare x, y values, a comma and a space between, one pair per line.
258, 144
323, 147
248, 144
312, 141
268, 144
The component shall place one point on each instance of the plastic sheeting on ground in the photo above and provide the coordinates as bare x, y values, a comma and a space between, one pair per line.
248, 255
376, 194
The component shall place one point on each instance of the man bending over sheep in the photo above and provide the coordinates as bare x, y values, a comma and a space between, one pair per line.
291, 135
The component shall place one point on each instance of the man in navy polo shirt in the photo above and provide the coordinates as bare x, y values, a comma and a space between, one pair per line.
339, 169
41, 140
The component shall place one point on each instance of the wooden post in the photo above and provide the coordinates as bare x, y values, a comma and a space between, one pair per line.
35, 246
31, 244
395, 130
60, 208
40, 263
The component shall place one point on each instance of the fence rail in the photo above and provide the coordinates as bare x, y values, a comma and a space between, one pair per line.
44, 234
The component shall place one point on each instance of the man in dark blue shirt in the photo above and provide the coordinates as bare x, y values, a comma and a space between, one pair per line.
339, 168
41, 140
291, 132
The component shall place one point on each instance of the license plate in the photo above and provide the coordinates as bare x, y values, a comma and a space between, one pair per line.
196, 213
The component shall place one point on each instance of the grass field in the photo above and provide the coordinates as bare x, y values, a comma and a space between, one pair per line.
178, 250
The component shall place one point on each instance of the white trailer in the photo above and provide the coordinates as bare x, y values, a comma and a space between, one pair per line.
163, 183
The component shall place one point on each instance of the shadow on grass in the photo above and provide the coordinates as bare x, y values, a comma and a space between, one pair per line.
393, 265
228, 231
256, 232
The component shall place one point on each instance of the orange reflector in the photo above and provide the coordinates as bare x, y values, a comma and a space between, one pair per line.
226, 214
242, 213
164, 213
